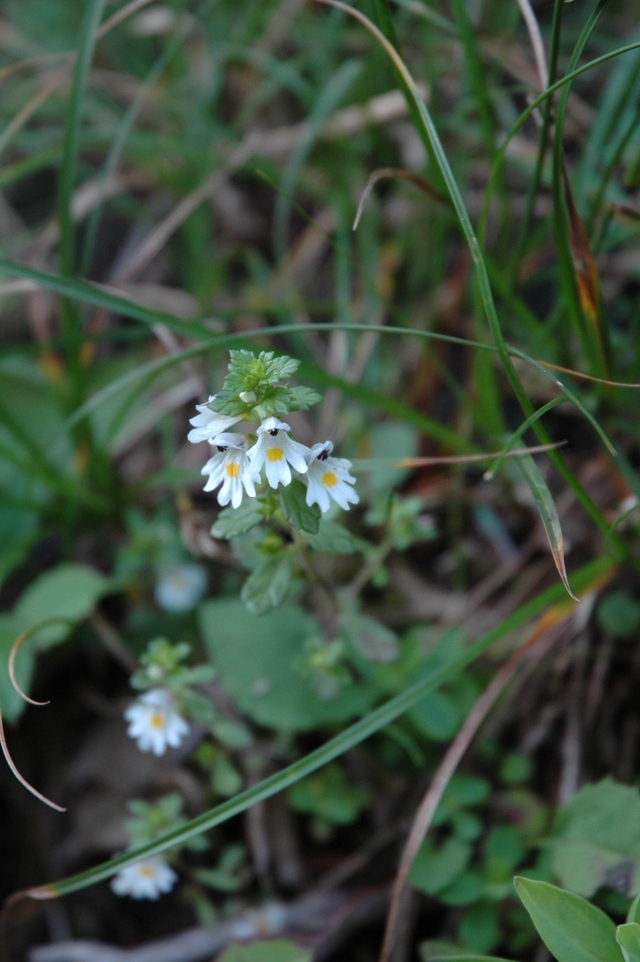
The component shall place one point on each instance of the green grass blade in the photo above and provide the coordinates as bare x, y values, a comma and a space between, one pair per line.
330, 97
524, 116
477, 75
548, 515
93, 10
544, 135
561, 213
495, 467
120, 138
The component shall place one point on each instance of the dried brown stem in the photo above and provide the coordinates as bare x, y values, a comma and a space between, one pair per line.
548, 628
21, 779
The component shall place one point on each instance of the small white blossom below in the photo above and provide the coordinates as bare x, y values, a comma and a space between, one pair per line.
148, 879
231, 468
154, 722
208, 424
327, 476
180, 587
276, 451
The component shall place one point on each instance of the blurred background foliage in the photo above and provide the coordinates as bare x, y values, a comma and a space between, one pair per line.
194, 178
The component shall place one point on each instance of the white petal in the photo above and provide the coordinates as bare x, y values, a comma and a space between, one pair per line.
317, 493
296, 454
277, 472
272, 424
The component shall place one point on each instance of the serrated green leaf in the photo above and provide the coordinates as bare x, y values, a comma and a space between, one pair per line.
296, 510
267, 586
275, 401
232, 522
302, 398
241, 361
281, 367
248, 372
371, 639
628, 938
572, 929
331, 538
228, 402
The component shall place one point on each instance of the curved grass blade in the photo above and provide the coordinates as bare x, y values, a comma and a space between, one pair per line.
369, 464
524, 116
351, 736
546, 369
506, 451
543, 140
98, 296
121, 134
89, 35
548, 515
331, 94
398, 173
92, 294
17, 645
577, 267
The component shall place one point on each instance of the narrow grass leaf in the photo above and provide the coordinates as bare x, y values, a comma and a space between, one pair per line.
584, 266
93, 10
526, 113
507, 450
548, 515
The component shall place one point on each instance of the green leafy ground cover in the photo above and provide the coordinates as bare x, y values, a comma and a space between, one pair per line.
180, 181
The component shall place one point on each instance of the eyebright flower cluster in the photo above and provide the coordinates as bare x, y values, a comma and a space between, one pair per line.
145, 880
236, 467
155, 723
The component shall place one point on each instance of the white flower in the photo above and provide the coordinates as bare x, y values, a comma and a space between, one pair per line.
145, 880
276, 451
180, 587
231, 467
155, 723
209, 424
329, 476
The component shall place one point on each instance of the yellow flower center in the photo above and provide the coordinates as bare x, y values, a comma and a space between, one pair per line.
275, 454
232, 469
156, 720
146, 871
329, 479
